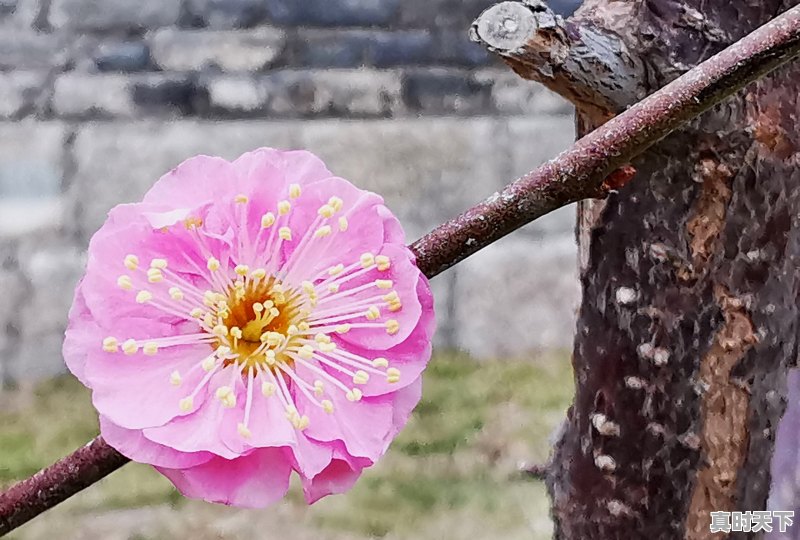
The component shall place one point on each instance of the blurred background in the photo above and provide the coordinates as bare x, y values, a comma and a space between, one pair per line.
98, 98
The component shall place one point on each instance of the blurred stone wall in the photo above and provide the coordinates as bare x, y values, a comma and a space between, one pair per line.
98, 98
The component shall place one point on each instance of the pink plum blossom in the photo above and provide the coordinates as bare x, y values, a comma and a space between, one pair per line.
248, 319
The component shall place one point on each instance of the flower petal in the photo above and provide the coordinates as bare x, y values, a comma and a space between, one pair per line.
252, 481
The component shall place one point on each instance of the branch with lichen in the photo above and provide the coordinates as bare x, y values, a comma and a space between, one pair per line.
579, 173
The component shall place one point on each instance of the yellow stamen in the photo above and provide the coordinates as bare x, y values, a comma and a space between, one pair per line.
131, 262
110, 344
125, 283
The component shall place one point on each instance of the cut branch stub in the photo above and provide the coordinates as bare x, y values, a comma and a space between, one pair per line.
586, 65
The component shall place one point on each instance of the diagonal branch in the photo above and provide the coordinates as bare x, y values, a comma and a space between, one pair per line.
576, 174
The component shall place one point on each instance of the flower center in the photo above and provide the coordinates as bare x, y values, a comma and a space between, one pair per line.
258, 319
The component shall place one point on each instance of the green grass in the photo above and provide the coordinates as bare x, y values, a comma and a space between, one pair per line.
452, 473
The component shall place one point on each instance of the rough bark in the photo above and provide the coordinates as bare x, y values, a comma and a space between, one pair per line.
689, 320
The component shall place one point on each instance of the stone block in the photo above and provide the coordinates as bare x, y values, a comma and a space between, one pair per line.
513, 95
52, 267
442, 91
453, 47
122, 56
313, 47
332, 12
226, 50
118, 162
19, 92
517, 296
109, 95
235, 96
457, 14
428, 170
390, 49
31, 172
94, 15
30, 50
227, 14
89, 95
301, 93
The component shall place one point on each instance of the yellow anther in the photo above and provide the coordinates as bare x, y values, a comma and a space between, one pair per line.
395, 306
131, 262
327, 406
208, 319
220, 330
294, 191
326, 211
222, 351
392, 327
175, 378
150, 348
284, 207
259, 273
213, 264
323, 231
143, 296
258, 307
392, 375
192, 222
161, 264
236, 332
354, 395
383, 262
267, 389
333, 288
274, 312
343, 224
242, 269
303, 326
176, 294
336, 203
186, 404
270, 357
372, 313
130, 347
209, 298
342, 328
241, 199
293, 330
301, 423
209, 363
367, 260
327, 347
154, 275
391, 297
319, 388
125, 283
226, 396
336, 270
196, 313
380, 362
308, 287
285, 233
322, 338
306, 352
110, 344
267, 220
383, 283
360, 377
243, 431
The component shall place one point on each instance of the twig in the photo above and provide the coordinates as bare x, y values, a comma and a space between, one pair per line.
576, 174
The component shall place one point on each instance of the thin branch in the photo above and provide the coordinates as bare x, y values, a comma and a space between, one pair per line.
576, 174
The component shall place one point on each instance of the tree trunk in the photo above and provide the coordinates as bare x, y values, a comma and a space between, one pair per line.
690, 273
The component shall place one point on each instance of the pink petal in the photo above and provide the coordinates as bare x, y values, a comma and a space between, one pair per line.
132, 444
252, 481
